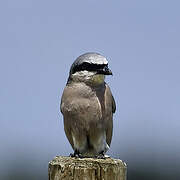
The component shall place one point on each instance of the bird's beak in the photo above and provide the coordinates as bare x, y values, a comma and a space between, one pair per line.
107, 71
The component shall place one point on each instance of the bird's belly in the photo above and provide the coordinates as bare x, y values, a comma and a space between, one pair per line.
90, 113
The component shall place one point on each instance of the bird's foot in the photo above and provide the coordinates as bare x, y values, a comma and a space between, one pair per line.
76, 154
101, 155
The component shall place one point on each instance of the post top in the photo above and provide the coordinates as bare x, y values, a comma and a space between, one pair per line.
58, 160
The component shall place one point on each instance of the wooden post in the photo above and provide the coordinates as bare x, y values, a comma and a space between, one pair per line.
68, 168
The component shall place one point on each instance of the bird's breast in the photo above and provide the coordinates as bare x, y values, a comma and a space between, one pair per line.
86, 105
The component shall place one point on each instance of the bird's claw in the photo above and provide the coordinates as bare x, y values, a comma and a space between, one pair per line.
76, 154
101, 155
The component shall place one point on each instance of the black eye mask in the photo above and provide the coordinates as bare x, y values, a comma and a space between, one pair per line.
89, 67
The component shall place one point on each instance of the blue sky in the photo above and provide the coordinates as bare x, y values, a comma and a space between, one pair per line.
40, 39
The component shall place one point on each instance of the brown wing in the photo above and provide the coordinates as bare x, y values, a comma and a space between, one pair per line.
110, 109
113, 105
67, 118
67, 130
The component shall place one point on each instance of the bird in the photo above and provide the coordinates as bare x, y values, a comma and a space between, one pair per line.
87, 106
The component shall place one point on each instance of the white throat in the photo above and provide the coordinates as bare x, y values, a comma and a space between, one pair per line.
88, 77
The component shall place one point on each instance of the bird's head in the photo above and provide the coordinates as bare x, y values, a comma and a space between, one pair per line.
89, 68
